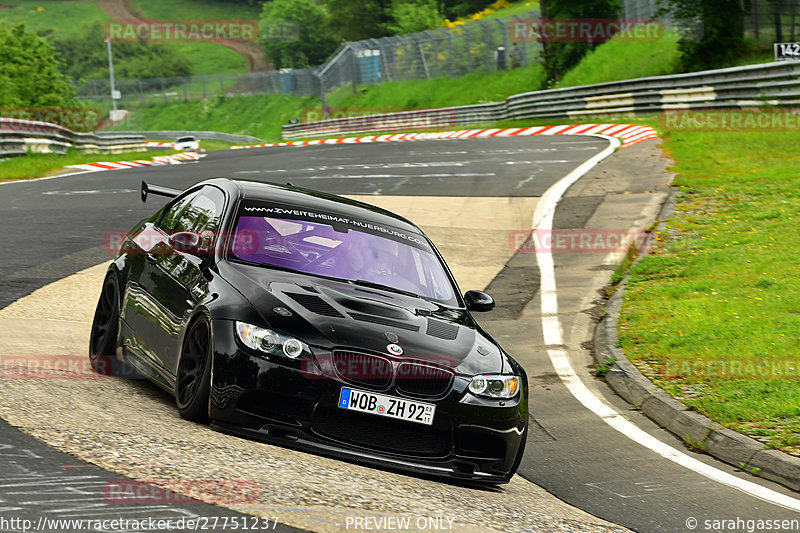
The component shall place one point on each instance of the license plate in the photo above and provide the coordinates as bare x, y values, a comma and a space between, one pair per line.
379, 404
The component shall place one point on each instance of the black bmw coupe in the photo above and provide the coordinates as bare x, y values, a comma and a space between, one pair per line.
313, 321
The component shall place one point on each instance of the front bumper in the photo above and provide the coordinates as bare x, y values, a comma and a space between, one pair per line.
291, 403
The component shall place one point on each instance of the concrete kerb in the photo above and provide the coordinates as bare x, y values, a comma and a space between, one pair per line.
696, 430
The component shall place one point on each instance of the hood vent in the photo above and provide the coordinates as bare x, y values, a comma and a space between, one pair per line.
308, 288
315, 304
384, 321
442, 330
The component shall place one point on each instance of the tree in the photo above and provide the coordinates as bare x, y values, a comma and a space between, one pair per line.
29, 75
355, 21
411, 16
454, 9
84, 55
296, 33
559, 57
720, 39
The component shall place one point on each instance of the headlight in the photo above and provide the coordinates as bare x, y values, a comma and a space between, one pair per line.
494, 386
269, 341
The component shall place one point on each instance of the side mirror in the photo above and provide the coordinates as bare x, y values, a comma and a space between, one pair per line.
478, 301
185, 242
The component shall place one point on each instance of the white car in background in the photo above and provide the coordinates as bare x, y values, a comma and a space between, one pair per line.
187, 144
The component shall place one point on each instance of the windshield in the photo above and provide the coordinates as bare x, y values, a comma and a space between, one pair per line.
185, 140
400, 261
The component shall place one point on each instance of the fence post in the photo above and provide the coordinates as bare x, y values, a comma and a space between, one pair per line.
163, 89
185, 93
421, 56
487, 43
353, 69
451, 61
141, 92
468, 49
504, 31
432, 38
204, 87
322, 93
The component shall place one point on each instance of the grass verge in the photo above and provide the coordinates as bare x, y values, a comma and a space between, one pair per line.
37, 165
60, 17
440, 92
197, 9
618, 59
258, 115
711, 315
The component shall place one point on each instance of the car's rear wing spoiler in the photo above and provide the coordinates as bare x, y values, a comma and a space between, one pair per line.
158, 190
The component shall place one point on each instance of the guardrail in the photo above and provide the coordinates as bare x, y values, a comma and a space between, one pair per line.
768, 84
19, 137
201, 135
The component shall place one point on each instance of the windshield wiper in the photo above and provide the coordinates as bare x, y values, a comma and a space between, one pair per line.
373, 285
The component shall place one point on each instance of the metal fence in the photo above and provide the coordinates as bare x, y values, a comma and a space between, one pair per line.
453, 52
772, 21
299, 82
767, 21
478, 46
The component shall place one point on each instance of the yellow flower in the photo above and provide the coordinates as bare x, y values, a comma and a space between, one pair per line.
39, 9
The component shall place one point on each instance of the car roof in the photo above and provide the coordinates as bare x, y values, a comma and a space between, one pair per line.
314, 200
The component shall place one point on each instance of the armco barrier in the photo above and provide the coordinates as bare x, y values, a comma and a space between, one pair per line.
202, 135
18, 137
768, 84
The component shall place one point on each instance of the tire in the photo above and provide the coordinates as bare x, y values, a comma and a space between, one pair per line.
193, 378
105, 330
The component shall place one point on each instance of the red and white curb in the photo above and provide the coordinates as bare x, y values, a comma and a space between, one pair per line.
160, 160
628, 134
159, 144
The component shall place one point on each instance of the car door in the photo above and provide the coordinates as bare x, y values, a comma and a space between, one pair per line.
174, 280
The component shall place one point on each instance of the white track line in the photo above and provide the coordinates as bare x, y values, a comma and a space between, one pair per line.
551, 327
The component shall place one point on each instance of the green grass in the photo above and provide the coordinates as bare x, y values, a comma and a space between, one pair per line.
215, 145
69, 16
206, 58
259, 115
721, 284
620, 60
211, 58
65, 17
196, 10
36, 165
440, 92
263, 115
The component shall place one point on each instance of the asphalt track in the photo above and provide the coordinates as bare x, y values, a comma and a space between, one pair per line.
54, 228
